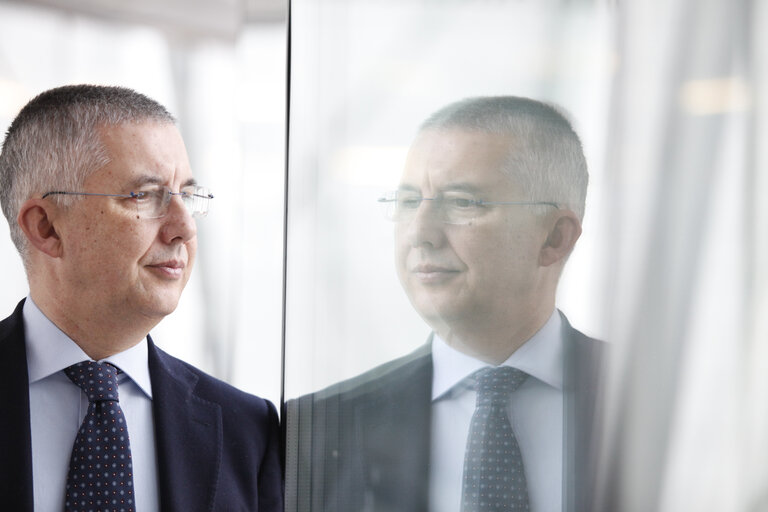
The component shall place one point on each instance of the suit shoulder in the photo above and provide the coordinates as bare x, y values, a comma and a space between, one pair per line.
577, 340
398, 374
13, 324
212, 389
585, 348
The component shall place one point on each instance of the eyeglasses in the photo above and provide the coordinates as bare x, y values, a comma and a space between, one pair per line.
154, 203
451, 208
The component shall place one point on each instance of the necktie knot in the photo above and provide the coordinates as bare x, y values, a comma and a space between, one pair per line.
98, 381
495, 385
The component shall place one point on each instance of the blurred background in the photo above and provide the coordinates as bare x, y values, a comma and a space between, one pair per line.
668, 98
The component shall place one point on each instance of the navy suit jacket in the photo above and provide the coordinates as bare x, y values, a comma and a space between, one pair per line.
363, 444
217, 447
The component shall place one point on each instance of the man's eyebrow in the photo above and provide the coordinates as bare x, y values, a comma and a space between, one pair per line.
452, 187
462, 187
146, 179
149, 179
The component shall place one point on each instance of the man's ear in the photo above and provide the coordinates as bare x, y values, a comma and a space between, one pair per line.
36, 221
561, 239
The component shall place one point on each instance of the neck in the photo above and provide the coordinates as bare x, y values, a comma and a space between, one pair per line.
493, 342
99, 336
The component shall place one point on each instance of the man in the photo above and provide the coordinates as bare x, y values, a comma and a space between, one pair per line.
99, 195
488, 210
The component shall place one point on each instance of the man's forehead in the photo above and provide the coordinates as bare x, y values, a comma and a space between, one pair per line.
458, 159
144, 153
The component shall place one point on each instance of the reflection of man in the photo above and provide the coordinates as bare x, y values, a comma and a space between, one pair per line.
487, 213
100, 199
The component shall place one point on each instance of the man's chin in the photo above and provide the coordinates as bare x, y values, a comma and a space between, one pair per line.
436, 311
161, 306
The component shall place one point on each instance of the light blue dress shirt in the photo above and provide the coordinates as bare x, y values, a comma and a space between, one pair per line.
535, 413
57, 407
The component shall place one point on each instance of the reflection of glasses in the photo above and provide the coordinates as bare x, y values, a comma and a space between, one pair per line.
451, 208
154, 203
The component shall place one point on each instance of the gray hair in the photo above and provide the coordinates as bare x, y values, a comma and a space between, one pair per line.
545, 154
54, 143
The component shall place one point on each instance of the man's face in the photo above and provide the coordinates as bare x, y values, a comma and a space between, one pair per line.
481, 271
117, 262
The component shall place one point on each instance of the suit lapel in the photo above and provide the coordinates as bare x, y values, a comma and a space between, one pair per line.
16, 492
188, 436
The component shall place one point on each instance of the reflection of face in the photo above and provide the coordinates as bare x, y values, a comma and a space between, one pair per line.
479, 272
117, 263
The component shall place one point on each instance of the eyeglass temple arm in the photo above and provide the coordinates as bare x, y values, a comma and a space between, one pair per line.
544, 203
61, 192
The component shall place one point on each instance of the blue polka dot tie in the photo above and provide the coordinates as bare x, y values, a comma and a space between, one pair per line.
100, 475
494, 479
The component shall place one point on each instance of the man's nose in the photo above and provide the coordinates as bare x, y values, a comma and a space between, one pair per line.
178, 222
426, 227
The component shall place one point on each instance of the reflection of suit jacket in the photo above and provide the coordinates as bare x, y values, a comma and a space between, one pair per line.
363, 444
217, 447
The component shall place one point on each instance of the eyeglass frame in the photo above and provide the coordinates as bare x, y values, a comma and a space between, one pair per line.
138, 195
391, 197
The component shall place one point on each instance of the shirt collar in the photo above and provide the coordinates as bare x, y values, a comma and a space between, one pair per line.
540, 357
49, 351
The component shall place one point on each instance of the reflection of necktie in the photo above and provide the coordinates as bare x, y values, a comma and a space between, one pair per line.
494, 478
100, 475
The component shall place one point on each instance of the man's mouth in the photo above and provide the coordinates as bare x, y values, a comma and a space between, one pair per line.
431, 273
169, 268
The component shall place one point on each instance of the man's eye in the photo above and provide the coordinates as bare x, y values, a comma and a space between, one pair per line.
145, 195
408, 203
461, 202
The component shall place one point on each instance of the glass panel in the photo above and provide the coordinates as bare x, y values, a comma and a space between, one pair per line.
364, 76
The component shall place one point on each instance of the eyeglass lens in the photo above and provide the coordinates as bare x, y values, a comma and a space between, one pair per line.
155, 204
451, 210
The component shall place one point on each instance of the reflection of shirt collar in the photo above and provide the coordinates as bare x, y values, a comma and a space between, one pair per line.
541, 357
49, 350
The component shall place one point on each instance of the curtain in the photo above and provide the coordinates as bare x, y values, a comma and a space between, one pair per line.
685, 307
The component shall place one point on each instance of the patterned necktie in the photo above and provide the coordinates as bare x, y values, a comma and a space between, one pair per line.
100, 475
494, 478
